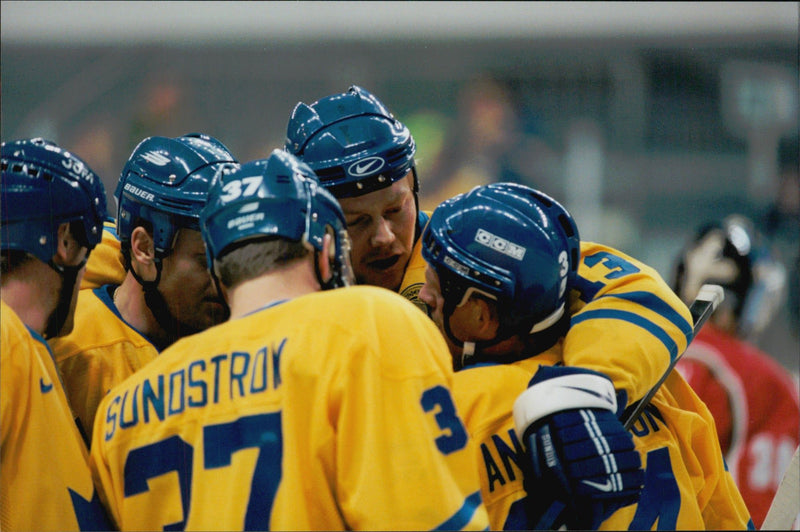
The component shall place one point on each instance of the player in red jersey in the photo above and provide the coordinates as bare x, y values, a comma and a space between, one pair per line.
753, 399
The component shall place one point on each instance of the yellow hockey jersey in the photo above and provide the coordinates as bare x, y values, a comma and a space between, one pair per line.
101, 351
687, 486
616, 301
45, 481
330, 411
414, 276
681, 454
484, 395
105, 261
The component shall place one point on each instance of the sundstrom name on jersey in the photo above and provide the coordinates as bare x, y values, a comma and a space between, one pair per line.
203, 382
136, 191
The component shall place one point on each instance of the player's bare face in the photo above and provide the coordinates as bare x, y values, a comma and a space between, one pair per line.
187, 286
431, 295
381, 227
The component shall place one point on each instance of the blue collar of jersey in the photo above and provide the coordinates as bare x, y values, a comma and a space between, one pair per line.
265, 307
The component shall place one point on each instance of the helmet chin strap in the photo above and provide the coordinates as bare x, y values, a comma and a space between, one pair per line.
336, 280
418, 229
57, 318
218, 285
467, 352
473, 352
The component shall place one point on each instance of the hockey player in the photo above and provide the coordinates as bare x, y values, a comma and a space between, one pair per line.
753, 399
339, 427
52, 211
365, 157
167, 291
502, 267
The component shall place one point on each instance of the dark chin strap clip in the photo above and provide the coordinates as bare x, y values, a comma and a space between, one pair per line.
59, 315
158, 305
335, 281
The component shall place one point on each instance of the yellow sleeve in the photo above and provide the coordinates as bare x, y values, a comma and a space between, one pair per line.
102, 478
721, 501
687, 486
45, 483
626, 321
105, 262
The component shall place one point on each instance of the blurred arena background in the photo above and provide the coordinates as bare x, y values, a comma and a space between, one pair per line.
645, 119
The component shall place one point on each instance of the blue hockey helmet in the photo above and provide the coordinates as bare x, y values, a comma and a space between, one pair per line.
44, 186
165, 182
277, 196
511, 243
352, 142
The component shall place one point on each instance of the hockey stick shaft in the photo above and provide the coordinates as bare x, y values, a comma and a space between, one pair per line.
708, 299
785, 505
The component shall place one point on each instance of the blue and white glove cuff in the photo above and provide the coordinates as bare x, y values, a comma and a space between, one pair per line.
562, 393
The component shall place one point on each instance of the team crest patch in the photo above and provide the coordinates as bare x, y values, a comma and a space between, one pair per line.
411, 293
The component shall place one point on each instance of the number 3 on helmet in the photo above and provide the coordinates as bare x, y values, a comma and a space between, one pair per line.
511, 243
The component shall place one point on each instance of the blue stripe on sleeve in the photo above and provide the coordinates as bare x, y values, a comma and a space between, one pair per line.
633, 318
464, 514
658, 305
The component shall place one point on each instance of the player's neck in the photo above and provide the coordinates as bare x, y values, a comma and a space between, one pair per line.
291, 281
130, 302
32, 294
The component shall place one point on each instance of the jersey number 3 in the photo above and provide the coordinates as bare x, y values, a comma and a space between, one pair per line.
446, 418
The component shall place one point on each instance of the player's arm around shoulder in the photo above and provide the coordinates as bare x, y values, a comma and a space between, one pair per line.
626, 321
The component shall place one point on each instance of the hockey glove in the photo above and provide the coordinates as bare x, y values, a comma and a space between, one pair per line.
579, 451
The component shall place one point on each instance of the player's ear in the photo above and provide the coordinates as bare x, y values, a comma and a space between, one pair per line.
326, 258
142, 245
485, 320
143, 252
68, 250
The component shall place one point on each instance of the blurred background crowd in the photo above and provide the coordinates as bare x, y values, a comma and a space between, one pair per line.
646, 120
